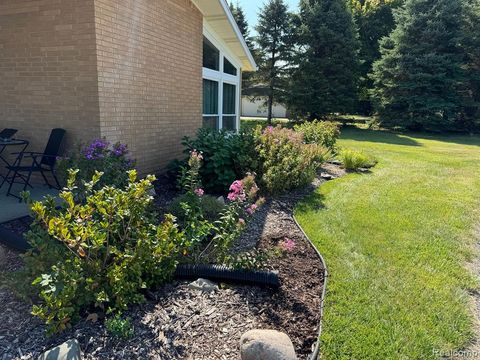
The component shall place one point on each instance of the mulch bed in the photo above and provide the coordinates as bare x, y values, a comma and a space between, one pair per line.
177, 322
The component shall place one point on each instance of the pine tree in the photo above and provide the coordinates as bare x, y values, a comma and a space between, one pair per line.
241, 20
417, 80
248, 78
374, 19
326, 75
275, 46
469, 118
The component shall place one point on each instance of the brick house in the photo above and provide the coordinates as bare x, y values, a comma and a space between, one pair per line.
144, 72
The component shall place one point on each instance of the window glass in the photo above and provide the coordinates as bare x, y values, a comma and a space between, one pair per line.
229, 99
211, 122
210, 97
228, 67
230, 123
211, 55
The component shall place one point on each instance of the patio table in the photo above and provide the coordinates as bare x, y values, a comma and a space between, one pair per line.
23, 144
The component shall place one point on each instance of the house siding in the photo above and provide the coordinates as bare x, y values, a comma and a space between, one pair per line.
48, 69
150, 76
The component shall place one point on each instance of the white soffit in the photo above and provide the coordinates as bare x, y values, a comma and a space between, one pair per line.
217, 15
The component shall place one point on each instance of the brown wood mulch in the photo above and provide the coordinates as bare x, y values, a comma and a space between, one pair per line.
177, 322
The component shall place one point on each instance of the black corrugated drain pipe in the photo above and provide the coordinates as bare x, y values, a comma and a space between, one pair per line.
226, 274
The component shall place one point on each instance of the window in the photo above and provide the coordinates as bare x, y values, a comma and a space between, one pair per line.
211, 55
228, 67
210, 104
229, 107
221, 82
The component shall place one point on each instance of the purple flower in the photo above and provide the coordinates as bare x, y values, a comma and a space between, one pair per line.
120, 149
199, 192
96, 149
251, 209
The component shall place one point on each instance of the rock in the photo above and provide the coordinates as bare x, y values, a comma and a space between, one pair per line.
203, 285
266, 345
326, 176
152, 192
335, 162
221, 200
69, 350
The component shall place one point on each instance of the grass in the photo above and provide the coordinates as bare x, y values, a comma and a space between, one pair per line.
397, 242
251, 123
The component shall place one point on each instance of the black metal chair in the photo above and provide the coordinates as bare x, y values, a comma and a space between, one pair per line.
40, 163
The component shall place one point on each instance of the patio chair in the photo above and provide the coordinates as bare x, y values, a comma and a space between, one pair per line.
39, 163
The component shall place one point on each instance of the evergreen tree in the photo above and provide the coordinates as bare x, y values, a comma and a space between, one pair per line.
326, 75
248, 78
241, 20
469, 119
275, 46
417, 80
374, 19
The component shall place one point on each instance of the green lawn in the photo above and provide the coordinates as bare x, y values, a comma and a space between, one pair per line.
397, 243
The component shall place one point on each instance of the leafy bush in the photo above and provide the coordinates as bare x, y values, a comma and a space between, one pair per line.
226, 157
286, 162
100, 253
210, 207
354, 160
119, 327
209, 241
323, 133
99, 155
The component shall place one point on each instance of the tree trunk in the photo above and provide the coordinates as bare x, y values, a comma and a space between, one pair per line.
270, 108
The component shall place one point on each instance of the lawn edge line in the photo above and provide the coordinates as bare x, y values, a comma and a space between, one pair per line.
316, 351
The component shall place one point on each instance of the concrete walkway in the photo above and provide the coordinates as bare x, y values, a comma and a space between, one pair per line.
11, 208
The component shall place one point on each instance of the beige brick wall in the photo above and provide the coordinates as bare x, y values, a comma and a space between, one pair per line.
48, 70
150, 75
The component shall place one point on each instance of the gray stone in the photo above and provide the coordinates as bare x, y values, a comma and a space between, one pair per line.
327, 176
221, 200
69, 350
203, 285
266, 345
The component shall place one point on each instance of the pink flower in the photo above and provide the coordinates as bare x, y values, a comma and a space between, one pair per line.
199, 192
251, 209
288, 245
241, 222
237, 192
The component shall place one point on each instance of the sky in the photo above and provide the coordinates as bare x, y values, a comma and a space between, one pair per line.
251, 8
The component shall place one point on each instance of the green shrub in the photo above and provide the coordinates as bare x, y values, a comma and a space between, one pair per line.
209, 241
286, 162
354, 160
226, 157
210, 207
98, 254
99, 155
119, 327
323, 133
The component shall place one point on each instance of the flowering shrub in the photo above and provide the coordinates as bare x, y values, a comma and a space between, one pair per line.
226, 157
323, 133
100, 253
209, 239
99, 155
286, 162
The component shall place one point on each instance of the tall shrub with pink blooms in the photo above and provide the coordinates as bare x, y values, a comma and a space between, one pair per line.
209, 241
286, 161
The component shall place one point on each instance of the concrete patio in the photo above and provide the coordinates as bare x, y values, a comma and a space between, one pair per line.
11, 208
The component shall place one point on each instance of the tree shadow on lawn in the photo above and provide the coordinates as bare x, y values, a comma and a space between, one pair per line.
407, 138
378, 136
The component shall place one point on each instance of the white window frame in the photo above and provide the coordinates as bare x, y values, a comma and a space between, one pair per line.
221, 78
